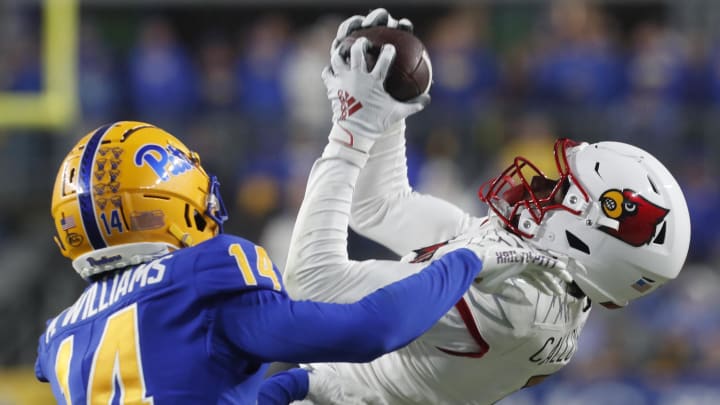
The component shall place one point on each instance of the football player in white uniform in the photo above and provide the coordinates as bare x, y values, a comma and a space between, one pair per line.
613, 215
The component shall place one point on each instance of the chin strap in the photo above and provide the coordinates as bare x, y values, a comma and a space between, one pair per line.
184, 238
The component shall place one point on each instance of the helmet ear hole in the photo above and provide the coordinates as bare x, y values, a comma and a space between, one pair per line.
652, 184
576, 243
660, 239
187, 216
197, 220
200, 222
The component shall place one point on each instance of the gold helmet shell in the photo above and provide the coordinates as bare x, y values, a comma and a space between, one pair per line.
128, 192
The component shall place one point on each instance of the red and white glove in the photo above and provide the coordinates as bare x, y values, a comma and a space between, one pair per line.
362, 109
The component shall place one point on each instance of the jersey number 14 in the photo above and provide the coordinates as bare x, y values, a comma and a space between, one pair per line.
117, 358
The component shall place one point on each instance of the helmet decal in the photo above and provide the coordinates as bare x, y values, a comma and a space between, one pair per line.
638, 218
74, 239
147, 220
86, 193
643, 284
165, 162
67, 222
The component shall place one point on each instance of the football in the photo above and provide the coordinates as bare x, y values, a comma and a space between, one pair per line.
410, 74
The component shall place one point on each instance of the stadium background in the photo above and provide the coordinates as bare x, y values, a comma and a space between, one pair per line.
238, 81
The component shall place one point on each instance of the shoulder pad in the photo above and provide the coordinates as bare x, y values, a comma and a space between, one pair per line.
228, 263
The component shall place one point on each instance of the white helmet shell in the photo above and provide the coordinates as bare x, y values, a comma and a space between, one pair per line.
623, 219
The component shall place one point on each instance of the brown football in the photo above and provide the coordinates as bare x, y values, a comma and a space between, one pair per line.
410, 73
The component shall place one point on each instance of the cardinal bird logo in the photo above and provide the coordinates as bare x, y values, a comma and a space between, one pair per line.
637, 216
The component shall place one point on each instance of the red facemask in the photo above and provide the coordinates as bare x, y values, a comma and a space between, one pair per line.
523, 186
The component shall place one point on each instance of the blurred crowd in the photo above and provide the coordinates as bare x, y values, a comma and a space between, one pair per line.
245, 92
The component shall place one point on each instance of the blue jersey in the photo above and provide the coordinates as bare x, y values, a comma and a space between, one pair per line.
199, 325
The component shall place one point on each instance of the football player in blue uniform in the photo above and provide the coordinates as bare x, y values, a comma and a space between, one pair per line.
176, 312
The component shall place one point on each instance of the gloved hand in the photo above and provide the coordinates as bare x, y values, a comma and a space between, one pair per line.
347, 102
377, 17
503, 262
362, 109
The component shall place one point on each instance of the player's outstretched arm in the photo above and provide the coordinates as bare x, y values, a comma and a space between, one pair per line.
318, 266
270, 327
384, 205
318, 246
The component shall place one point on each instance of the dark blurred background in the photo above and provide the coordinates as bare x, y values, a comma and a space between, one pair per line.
239, 82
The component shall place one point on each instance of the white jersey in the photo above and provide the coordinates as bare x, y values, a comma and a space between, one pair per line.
485, 348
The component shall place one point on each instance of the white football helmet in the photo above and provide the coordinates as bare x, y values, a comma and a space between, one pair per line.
615, 210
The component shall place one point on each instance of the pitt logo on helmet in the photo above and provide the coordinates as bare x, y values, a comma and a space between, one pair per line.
638, 218
165, 162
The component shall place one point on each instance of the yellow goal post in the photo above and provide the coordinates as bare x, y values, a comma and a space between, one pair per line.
55, 106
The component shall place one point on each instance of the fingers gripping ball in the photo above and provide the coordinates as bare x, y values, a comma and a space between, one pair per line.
410, 74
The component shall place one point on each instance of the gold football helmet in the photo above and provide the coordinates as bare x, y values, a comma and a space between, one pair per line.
129, 192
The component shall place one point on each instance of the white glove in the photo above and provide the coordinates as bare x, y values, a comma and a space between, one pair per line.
377, 17
362, 109
328, 388
502, 262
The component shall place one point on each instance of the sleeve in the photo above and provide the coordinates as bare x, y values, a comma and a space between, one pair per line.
269, 326
384, 205
318, 266
39, 373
